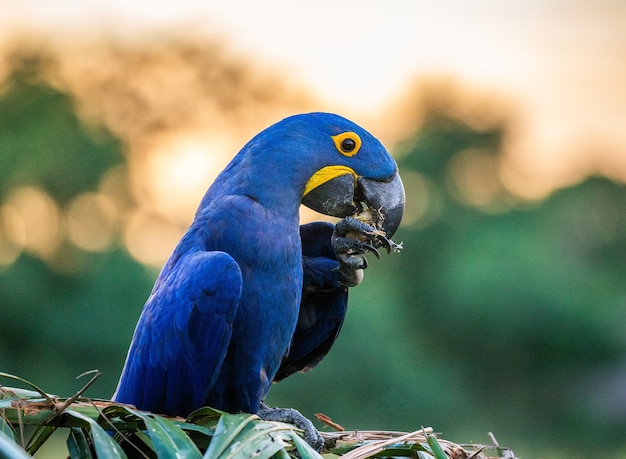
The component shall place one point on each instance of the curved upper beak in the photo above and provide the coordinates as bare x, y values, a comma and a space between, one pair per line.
344, 196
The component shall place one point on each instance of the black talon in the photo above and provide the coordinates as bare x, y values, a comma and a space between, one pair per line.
384, 242
351, 241
372, 249
363, 263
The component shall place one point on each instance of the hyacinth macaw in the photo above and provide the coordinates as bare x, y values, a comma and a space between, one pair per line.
249, 296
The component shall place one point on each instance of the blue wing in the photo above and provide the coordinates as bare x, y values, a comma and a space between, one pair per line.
183, 334
323, 305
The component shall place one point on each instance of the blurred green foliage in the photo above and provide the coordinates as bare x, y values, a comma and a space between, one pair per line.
43, 142
77, 311
511, 322
507, 318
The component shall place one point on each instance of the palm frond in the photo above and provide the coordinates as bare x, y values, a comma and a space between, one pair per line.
104, 429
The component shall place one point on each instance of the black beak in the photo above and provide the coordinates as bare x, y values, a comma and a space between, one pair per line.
339, 197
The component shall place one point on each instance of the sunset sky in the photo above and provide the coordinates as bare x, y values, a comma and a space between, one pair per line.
562, 64
558, 66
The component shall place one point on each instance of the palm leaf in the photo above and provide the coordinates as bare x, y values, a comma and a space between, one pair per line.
168, 439
103, 444
10, 449
78, 443
104, 429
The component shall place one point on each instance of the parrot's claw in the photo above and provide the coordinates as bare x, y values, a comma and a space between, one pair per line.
294, 417
353, 237
346, 248
386, 243
372, 249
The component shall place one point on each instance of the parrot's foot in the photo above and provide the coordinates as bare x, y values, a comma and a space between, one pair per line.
352, 239
369, 237
293, 416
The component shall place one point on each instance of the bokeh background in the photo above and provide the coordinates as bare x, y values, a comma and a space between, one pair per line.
505, 311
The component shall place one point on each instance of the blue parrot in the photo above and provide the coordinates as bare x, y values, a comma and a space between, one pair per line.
249, 296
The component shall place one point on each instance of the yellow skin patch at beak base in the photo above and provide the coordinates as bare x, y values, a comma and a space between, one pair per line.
324, 175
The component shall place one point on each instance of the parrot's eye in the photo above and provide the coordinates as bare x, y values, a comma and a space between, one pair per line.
348, 143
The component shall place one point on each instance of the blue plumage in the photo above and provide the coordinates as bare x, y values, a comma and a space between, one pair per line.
248, 296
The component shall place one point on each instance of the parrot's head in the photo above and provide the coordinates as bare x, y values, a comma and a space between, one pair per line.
352, 174
323, 161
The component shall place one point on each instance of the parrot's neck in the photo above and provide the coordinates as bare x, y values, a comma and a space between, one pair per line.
276, 187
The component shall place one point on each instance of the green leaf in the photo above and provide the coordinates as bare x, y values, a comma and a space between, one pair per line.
206, 416
17, 378
6, 428
39, 437
168, 439
104, 445
15, 393
436, 447
201, 436
11, 450
305, 450
184, 446
246, 436
187, 427
228, 427
78, 444
123, 418
259, 439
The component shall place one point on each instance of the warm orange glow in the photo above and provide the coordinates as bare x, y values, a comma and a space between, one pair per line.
33, 221
175, 175
9, 249
114, 185
474, 177
420, 208
91, 220
150, 238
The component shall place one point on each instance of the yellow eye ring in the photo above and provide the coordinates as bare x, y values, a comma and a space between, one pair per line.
347, 143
